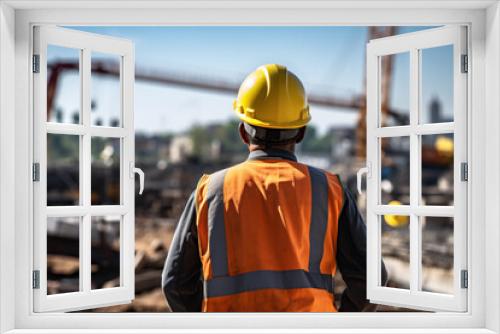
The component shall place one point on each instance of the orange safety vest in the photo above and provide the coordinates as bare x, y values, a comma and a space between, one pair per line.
267, 237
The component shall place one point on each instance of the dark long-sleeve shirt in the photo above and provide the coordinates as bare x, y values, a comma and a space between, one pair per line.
182, 278
182, 281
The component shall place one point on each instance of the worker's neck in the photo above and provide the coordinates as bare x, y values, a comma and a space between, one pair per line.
288, 147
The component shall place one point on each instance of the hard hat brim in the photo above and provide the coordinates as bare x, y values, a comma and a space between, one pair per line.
291, 125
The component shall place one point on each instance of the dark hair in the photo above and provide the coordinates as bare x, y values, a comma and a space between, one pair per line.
271, 137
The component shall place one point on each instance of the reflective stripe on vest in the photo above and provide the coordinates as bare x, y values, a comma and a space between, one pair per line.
266, 279
216, 226
319, 217
222, 285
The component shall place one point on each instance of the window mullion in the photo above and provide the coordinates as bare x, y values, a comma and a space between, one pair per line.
85, 268
415, 254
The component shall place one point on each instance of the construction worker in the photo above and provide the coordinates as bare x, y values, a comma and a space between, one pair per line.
270, 233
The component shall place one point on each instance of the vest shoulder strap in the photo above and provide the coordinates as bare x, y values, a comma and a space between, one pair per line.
216, 225
319, 217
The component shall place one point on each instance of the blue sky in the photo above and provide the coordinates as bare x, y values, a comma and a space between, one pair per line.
329, 60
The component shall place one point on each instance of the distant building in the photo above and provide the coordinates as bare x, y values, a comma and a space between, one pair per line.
435, 110
216, 149
315, 160
343, 142
340, 149
149, 149
181, 148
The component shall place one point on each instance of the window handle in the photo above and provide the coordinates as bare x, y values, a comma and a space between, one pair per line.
365, 170
134, 170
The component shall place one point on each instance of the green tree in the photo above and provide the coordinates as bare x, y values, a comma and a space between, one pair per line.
314, 143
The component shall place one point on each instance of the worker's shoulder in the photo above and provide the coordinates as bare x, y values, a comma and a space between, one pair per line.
333, 179
201, 187
206, 177
330, 175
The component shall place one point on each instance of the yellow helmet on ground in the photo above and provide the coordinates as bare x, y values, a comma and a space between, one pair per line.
444, 145
396, 221
272, 97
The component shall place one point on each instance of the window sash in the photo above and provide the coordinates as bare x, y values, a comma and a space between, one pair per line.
412, 43
86, 297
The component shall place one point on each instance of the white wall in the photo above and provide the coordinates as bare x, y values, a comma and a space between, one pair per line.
6, 166
492, 166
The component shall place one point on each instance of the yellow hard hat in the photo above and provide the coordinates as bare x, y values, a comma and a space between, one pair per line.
272, 97
395, 220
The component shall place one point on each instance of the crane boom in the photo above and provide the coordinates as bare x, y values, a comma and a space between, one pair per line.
104, 68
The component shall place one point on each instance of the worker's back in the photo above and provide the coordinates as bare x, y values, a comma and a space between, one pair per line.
267, 234
263, 234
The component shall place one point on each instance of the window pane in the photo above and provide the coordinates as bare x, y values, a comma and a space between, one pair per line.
437, 254
436, 104
105, 172
106, 90
63, 169
437, 169
395, 89
105, 253
395, 170
63, 255
395, 238
63, 84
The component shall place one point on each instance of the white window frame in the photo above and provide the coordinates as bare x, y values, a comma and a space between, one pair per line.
16, 21
85, 43
412, 43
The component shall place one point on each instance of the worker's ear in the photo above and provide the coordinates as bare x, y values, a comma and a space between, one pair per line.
243, 134
301, 135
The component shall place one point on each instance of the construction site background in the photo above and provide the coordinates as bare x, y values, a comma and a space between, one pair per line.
174, 161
